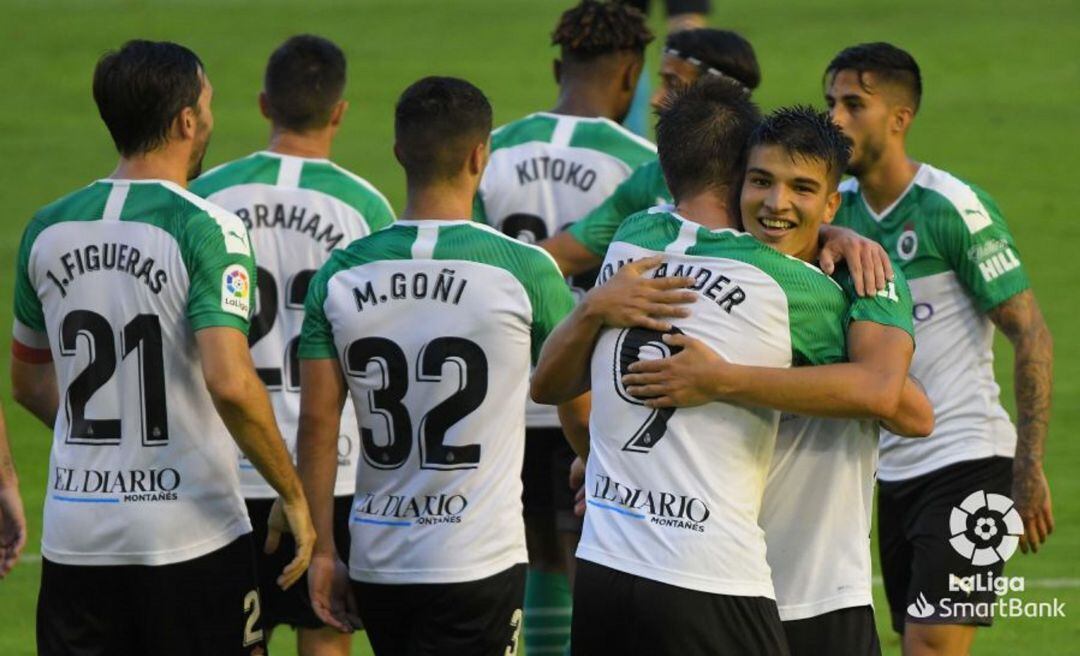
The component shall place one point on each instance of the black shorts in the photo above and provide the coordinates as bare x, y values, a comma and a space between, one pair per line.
545, 478
208, 605
619, 613
476, 618
918, 561
847, 631
292, 606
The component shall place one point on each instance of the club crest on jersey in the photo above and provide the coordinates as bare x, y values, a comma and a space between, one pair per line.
908, 244
236, 291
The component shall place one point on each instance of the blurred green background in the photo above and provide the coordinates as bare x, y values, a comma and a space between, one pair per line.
1001, 109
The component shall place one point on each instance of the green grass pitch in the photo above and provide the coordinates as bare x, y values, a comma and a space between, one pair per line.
1001, 106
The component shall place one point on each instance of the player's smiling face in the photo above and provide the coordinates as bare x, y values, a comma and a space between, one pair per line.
861, 113
785, 199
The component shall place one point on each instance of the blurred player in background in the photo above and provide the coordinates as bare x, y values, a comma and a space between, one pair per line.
546, 171
688, 56
298, 207
12, 518
431, 324
132, 299
681, 15
951, 241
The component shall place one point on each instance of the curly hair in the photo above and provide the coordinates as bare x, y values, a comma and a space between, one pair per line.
594, 28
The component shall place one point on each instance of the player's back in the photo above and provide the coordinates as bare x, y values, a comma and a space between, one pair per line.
548, 170
120, 275
297, 211
674, 494
434, 324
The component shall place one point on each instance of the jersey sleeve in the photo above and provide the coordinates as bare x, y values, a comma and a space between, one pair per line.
816, 317
29, 328
316, 337
977, 244
596, 229
217, 253
891, 306
551, 300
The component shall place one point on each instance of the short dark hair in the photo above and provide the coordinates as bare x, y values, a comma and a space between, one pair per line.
805, 133
140, 88
593, 28
304, 79
721, 50
887, 62
701, 136
437, 122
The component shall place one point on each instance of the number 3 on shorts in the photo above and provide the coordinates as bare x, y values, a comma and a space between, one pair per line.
252, 635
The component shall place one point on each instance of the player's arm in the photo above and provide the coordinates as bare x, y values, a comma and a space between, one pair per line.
12, 518
867, 261
869, 387
1022, 322
981, 250
34, 387
570, 254
243, 404
627, 299
322, 396
574, 417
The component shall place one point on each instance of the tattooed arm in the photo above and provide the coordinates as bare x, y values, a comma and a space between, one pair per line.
1020, 319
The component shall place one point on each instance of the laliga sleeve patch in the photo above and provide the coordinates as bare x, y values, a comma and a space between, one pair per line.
236, 291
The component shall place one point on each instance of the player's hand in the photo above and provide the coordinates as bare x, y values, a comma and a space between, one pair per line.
330, 592
12, 528
296, 519
683, 380
577, 483
867, 261
1031, 496
629, 299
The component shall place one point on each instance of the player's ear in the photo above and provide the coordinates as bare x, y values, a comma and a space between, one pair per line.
901, 119
397, 154
264, 105
478, 158
556, 69
338, 113
186, 122
832, 204
631, 74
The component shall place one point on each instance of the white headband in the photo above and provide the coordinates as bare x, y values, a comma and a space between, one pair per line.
708, 70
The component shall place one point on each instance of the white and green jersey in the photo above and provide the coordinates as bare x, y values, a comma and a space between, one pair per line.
674, 495
950, 240
297, 211
546, 172
435, 324
819, 496
114, 280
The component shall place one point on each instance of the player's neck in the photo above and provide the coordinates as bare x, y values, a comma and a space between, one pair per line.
438, 202
162, 164
314, 145
582, 100
890, 176
708, 208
